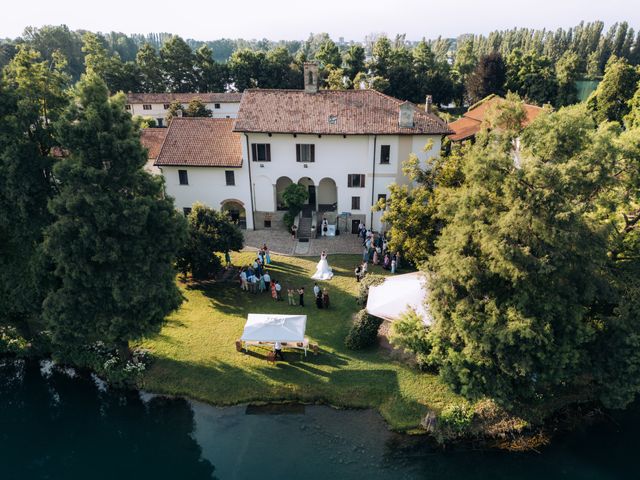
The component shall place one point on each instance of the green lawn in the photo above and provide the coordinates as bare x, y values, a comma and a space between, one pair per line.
196, 355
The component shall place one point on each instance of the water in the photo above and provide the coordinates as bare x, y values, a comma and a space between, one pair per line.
58, 425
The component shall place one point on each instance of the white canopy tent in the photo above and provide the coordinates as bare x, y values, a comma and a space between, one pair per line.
397, 294
271, 328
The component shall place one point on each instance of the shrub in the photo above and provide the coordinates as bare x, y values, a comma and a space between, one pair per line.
11, 342
364, 331
371, 279
412, 335
104, 361
454, 422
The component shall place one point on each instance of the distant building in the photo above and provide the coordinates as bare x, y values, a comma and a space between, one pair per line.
469, 124
155, 105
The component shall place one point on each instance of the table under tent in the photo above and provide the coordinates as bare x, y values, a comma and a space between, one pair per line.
267, 329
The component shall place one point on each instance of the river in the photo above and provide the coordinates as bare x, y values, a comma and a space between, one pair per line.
55, 424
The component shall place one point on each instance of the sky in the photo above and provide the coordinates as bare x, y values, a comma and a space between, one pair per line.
295, 19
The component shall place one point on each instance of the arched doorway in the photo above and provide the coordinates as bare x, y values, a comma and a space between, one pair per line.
236, 211
327, 195
311, 188
281, 184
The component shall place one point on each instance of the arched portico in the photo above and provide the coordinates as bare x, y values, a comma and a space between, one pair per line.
327, 195
281, 184
236, 211
311, 188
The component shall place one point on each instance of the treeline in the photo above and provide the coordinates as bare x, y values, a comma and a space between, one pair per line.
541, 66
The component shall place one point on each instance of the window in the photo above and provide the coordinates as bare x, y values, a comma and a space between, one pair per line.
355, 203
267, 224
166, 106
355, 180
216, 105
382, 196
159, 121
183, 177
230, 177
146, 107
305, 152
261, 152
186, 211
127, 107
385, 153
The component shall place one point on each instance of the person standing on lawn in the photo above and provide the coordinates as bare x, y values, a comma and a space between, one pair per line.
278, 291
277, 348
267, 280
325, 297
301, 296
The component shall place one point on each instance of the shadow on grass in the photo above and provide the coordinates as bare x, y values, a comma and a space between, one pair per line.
222, 383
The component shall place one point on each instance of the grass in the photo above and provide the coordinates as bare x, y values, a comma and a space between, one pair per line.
196, 356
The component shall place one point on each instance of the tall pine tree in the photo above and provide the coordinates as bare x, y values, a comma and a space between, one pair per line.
115, 236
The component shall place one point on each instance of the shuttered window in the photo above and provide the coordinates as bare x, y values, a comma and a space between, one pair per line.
355, 180
305, 152
261, 152
355, 203
385, 153
183, 177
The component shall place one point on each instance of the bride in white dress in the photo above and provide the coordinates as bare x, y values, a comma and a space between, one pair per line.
323, 270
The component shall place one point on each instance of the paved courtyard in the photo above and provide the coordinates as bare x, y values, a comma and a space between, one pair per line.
280, 242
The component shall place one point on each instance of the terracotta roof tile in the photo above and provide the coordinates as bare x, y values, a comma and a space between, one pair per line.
151, 139
224, 97
469, 124
338, 112
201, 142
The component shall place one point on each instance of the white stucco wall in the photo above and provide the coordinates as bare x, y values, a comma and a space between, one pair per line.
335, 157
226, 110
208, 185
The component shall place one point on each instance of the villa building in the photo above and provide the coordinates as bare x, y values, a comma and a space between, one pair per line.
346, 147
155, 105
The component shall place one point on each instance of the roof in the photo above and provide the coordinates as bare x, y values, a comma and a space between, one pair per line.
201, 142
152, 139
469, 124
261, 327
223, 97
330, 112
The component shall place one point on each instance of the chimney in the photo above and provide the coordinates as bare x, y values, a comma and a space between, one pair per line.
310, 77
427, 103
405, 119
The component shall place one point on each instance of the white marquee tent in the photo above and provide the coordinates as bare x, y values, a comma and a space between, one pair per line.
397, 294
274, 328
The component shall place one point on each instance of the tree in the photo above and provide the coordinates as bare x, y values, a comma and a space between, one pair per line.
354, 61
488, 77
150, 70
329, 54
178, 65
610, 101
32, 96
57, 39
567, 74
195, 108
246, 67
294, 197
632, 120
432, 76
531, 76
114, 237
209, 232
526, 292
211, 76
336, 79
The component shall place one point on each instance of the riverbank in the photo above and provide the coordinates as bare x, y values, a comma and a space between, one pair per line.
195, 355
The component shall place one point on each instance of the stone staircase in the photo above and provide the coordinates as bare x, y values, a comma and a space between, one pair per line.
304, 229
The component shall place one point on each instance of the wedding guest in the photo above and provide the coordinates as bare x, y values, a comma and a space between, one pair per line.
277, 348
319, 300
325, 298
274, 294
267, 256
375, 256
316, 289
227, 259
358, 272
393, 265
267, 280
262, 285
301, 296
278, 290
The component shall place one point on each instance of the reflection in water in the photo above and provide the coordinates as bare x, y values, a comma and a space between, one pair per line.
55, 424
